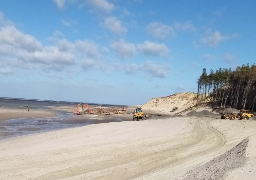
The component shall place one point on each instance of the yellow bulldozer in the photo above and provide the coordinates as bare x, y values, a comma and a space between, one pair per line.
243, 114
138, 114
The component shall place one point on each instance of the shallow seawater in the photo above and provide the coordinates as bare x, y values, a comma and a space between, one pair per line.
24, 126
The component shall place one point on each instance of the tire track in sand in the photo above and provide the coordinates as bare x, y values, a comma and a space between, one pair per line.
140, 158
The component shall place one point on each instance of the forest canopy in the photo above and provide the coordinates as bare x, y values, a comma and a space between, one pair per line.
229, 88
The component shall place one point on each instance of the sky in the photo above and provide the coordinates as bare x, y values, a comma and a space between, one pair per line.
119, 51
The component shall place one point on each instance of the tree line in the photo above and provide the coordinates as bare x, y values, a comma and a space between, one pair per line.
229, 88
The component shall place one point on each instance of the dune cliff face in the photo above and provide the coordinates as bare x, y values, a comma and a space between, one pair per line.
172, 104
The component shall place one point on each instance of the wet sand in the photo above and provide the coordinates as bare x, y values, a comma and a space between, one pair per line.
9, 113
18, 122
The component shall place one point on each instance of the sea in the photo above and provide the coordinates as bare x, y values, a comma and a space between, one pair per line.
25, 126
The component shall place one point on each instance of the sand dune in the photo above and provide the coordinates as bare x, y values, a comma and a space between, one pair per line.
172, 104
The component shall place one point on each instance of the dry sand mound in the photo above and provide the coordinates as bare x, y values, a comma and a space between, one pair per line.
172, 104
217, 168
203, 113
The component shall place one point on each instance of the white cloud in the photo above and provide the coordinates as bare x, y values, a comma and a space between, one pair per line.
152, 48
132, 68
1, 17
48, 55
89, 48
213, 39
219, 13
79, 47
6, 49
19, 50
58, 34
123, 49
64, 45
184, 26
5, 70
23, 51
89, 64
160, 30
92, 64
60, 4
114, 25
208, 57
9, 35
127, 12
102, 5
181, 88
156, 70
68, 23
152, 69
105, 50
229, 58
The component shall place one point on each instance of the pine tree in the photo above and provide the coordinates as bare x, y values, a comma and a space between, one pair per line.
227, 88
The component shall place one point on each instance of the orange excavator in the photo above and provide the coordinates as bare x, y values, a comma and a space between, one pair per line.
122, 108
83, 109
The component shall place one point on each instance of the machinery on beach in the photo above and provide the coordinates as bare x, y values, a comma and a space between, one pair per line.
86, 109
83, 109
243, 114
138, 114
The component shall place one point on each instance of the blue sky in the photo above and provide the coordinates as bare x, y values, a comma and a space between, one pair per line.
119, 51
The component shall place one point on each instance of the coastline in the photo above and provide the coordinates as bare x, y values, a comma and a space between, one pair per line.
151, 149
16, 113
114, 147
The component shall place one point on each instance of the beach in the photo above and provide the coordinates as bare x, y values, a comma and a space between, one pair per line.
151, 149
193, 145
11, 113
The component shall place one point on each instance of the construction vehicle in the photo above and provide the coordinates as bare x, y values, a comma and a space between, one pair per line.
243, 114
122, 108
108, 111
230, 116
138, 114
83, 109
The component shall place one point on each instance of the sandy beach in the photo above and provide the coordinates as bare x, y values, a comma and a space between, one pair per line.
9, 113
185, 144
172, 148
127, 90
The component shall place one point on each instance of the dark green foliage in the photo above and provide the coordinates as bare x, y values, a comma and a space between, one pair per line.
227, 88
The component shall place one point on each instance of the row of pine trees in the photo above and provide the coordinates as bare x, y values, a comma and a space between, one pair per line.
229, 88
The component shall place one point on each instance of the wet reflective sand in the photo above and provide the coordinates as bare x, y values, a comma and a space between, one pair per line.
24, 126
